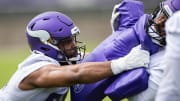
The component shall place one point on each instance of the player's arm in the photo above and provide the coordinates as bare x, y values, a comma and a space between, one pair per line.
55, 76
73, 74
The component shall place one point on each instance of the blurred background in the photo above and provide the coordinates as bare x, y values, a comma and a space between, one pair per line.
91, 16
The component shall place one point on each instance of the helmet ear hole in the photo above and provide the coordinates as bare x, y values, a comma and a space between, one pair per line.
44, 49
46, 18
60, 30
32, 26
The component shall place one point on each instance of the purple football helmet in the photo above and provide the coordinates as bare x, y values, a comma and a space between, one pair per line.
170, 6
49, 29
166, 8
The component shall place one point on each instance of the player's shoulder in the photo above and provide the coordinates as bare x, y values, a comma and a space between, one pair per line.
37, 58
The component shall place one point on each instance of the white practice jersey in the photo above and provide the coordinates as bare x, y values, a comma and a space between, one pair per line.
157, 66
156, 70
11, 91
170, 86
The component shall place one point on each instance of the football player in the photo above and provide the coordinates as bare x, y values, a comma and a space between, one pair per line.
149, 31
170, 85
131, 28
51, 66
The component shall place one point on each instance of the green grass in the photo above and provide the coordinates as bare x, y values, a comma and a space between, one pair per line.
9, 61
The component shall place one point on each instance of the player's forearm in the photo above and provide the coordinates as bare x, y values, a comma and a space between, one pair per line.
92, 72
74, 74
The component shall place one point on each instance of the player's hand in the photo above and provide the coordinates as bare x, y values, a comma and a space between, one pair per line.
115, 18
135, 59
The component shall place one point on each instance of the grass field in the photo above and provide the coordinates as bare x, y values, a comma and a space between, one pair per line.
8, 64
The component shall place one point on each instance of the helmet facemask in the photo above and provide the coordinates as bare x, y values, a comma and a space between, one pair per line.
71, 49
156, 25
